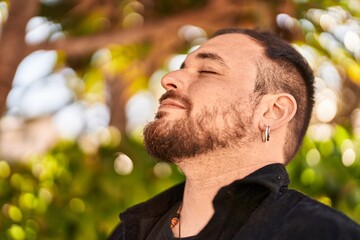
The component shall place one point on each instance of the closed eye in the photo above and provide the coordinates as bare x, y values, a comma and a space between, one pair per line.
208, 72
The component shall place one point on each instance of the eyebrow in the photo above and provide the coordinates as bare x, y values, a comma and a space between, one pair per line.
208, 55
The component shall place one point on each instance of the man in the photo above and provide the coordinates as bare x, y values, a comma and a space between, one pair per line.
231, 118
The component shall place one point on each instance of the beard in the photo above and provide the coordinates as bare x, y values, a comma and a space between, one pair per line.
173, 140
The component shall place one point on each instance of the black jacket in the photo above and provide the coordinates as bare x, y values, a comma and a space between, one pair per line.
259, 207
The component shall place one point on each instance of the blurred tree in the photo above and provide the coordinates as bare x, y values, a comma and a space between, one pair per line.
105, 57
90, 25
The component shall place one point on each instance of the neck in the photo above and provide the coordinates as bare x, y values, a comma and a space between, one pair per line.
205, 175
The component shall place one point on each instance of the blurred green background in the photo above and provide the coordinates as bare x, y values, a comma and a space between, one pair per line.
79, 79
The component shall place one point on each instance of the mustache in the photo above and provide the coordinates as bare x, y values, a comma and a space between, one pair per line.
184, 100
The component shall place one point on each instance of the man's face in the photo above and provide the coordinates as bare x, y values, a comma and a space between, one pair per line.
208, 102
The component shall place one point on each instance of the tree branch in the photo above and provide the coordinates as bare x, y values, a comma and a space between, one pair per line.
153, 29
216, 14
12, 43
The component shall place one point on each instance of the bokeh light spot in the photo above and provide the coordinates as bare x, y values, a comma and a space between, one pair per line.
15, 214
45, 195
308, 176
28, 200
176, 61
89, 143
285, 21
191, 33
307, 25
123, 164
348, 157
115, 136
313, 157
16, 232
70, 121
321, 132
327, 21
353, 70
4, 169
162, 170
325, 200
351, 41
77, 205
3, 12
139, 110
133, 20
326, 148
326, 110
108, 136
16, 180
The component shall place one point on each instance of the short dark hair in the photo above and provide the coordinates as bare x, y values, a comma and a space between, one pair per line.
283, 69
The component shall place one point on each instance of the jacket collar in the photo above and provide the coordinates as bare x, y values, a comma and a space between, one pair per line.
271, 177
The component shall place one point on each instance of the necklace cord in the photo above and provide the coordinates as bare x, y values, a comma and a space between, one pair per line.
176, 220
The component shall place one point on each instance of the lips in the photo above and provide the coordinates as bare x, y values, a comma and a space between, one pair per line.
171, 100
169, 103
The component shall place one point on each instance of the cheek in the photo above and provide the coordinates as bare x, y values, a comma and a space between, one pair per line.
214, 94
207, 96
210, 90
213, 105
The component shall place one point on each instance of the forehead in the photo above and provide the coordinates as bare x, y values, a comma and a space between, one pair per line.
234, 48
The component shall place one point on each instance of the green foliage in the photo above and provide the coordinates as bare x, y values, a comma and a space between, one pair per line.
164, 7
329, 171
76, 190
67, 194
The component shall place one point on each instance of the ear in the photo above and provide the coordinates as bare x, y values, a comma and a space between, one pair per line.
276, 110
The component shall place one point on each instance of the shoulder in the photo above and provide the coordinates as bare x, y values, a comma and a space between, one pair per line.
310, 219
116, 233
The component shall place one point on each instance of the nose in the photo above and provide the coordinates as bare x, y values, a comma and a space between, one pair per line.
173, 81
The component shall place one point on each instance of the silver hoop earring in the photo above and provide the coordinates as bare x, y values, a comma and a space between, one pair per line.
266, 134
